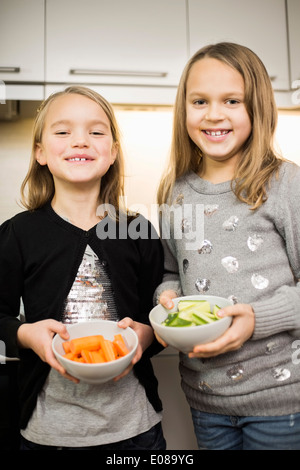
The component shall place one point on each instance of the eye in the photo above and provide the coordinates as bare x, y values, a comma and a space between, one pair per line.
199, 102
61, 132
96, 133
232, 101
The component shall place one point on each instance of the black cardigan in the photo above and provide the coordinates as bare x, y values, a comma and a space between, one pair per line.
39, 258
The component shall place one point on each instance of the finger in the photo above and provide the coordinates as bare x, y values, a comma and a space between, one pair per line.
234, 310
58, 328
125, 322
55, 364
137, 356
127, 370
135, 359
71, 378
166, 297
124, 373
229, 311
161, 341
225, 343
166, 302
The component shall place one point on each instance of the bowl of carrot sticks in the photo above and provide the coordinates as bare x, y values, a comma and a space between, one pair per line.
96, 351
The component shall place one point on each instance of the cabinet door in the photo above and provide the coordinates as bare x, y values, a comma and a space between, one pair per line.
22, 40
259, 25
294, 38
115, 41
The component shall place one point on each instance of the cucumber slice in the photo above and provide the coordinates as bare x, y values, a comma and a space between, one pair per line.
198, 320
207, 318
180, 322
215, 310
170, 318
200, 305
192, 313
186, 315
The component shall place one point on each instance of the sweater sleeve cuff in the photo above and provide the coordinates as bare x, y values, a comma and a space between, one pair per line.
271, 315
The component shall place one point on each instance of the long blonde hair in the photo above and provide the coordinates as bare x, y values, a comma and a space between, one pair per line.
259, 160
38, 186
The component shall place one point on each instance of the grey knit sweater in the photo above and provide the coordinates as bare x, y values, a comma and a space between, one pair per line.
251, 257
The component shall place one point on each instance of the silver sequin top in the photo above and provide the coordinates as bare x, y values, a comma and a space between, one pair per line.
91, 295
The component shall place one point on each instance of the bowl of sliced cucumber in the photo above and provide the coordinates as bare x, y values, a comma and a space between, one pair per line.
193, 320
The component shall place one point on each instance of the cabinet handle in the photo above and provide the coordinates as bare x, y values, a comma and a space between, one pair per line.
119, 73
273, 78
10, 69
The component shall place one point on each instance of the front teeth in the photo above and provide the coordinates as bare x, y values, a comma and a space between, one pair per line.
77, 159
216, 133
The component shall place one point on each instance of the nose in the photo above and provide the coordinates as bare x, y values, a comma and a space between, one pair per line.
80, 139
214, 112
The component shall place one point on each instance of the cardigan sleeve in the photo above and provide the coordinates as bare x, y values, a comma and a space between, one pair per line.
11, 286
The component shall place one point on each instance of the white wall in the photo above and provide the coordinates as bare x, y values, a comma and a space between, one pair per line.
146, 138
287, 135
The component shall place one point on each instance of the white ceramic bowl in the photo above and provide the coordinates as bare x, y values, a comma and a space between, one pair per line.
186, 338
102, 372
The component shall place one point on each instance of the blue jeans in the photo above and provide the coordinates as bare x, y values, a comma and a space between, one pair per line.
149, 440
222, 432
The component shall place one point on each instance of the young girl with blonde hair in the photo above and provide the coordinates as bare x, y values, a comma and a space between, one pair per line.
52, 257
243, 388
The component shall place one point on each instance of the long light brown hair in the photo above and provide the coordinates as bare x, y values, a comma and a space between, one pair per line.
259, 160
38, 186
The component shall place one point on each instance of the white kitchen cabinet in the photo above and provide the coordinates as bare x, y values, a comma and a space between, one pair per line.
293, 8
22, 40
259, 25
136, 42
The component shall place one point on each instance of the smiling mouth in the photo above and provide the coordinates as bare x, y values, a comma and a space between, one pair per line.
79, 159
216, 133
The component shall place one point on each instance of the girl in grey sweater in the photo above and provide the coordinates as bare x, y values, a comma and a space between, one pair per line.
243, 388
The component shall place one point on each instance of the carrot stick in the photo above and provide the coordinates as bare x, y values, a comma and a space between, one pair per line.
101, 341
66, 346
97, 356
121, 347
78, 359
108, 350
115, 350
85, 354
70, 355
86, 342
119, 337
